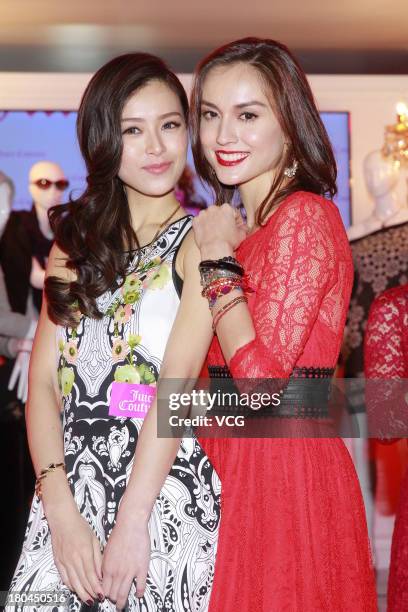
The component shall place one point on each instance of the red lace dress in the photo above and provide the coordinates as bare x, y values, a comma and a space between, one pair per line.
386, 356
293, 535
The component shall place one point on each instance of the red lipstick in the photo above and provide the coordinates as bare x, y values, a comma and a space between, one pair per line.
230, 158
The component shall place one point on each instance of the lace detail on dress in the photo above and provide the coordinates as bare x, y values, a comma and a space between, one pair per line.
292, 511
386, 340
386, 357
381, 262
303, 286
127, 345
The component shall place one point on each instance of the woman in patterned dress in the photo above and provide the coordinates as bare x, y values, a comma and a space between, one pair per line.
112, 306
293, 534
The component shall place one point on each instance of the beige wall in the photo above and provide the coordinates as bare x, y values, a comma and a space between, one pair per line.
371, 101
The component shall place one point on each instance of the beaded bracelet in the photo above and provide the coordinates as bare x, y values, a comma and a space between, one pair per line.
226, 263
228, 259
221, 265
227, 308
219, 281
218, 288
210, 274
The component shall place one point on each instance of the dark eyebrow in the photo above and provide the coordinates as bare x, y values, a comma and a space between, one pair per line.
250, 103
171, 114
242, 105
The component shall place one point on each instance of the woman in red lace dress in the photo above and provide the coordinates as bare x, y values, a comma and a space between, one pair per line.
293, 534
293, 531
386, 357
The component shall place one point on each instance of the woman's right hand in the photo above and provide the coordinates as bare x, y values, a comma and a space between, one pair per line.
218, 230
77, 554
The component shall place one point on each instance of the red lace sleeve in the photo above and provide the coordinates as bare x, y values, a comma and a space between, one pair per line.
298, 272
385, 358
383, 347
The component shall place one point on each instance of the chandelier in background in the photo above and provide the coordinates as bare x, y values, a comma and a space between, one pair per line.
396, 136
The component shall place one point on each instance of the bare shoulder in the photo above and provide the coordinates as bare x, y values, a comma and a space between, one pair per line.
57, 264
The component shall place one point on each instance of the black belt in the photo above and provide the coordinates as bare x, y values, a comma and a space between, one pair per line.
305, 394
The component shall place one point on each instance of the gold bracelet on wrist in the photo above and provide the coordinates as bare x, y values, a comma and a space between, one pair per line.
44, 473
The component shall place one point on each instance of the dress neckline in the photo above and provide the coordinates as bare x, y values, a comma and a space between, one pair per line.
248, 238
159, 235
267, 223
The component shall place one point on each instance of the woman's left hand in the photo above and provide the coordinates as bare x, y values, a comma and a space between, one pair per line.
218, 231
126, 558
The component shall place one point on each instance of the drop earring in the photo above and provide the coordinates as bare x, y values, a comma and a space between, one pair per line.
290, 171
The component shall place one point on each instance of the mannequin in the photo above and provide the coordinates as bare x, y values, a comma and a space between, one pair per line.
44, 197
379, 246
380, 252
16, 335
27, 238
6, 198
386, 357
381, 176
16, 330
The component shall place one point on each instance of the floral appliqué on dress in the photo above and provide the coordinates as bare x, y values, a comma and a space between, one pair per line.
152, 275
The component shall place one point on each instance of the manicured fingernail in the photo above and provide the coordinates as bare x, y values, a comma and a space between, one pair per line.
89, 602
101, 597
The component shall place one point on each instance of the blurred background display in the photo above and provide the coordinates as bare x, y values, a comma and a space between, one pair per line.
29, 136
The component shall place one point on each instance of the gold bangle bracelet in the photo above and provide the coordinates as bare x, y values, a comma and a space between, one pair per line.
44, 473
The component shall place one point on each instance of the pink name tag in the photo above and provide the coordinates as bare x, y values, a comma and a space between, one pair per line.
131, 400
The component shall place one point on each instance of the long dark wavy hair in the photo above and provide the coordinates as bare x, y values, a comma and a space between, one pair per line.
95, 230
293, 104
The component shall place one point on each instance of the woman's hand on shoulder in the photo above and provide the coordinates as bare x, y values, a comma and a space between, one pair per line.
218, 231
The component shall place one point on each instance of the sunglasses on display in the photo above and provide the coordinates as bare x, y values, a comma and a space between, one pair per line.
43, 183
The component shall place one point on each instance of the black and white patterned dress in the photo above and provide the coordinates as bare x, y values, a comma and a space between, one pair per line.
127, 345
